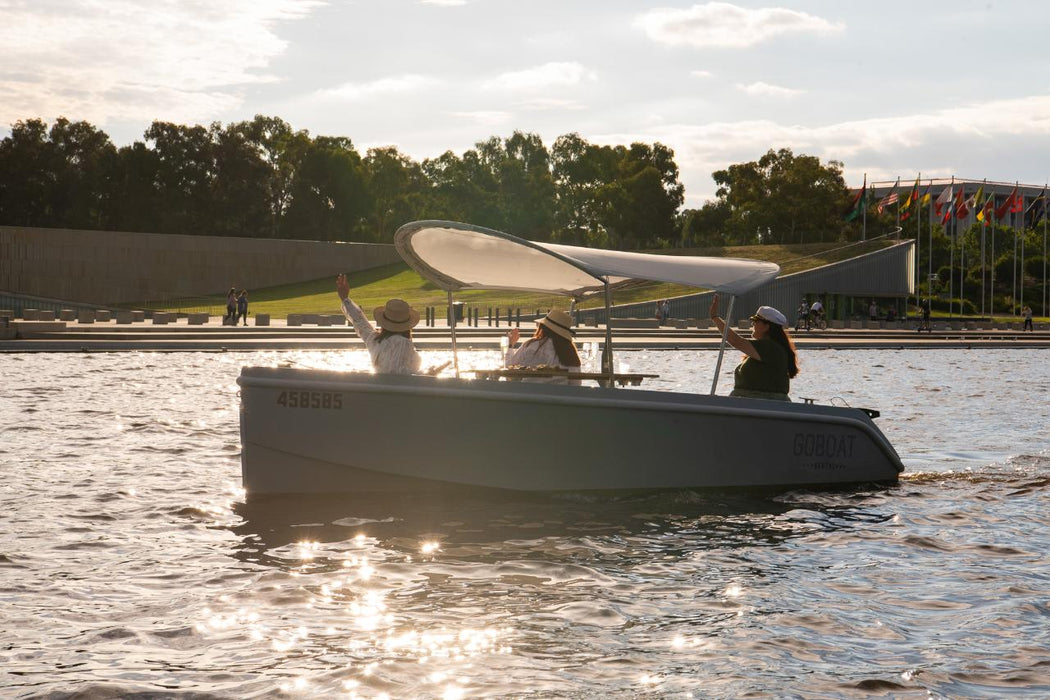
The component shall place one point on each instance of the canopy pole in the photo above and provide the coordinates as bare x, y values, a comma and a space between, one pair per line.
607, 352
452, 327
722, 345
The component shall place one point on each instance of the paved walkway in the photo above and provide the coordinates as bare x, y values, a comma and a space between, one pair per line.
43, 336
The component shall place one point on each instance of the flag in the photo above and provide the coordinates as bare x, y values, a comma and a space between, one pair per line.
913, 196
1006, 206
961, 212
886, 201
1018, 205
860, 200
975, 203
1035, 211
925, 197
943, 198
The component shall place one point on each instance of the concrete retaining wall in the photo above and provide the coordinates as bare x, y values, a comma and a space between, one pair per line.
108, 267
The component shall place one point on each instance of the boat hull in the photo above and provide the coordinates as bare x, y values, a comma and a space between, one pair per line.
317, 431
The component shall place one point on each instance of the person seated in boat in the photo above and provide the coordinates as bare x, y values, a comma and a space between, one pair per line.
550, 346
770, 361
391, 346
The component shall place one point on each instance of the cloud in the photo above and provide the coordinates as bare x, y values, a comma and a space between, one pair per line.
485, 118
883, 147
545, 104
701, 73
136, 59
548, 75
444, 3
399, 84
761, 89
722, 25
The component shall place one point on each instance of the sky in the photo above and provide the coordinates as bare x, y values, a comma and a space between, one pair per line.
889, 89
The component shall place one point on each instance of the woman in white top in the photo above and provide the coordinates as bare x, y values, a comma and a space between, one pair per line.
550, 346
391, 347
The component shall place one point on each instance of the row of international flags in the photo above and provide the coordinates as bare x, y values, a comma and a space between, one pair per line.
953, 202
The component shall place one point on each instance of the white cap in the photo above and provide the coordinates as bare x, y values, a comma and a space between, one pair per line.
770, 315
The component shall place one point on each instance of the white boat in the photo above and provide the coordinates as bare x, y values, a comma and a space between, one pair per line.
319, 431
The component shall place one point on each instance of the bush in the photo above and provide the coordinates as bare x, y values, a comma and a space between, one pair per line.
968, 307
1033, 267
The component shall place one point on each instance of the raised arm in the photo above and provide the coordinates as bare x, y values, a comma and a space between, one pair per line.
742, 344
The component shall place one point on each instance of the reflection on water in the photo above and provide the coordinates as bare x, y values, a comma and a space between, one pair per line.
132, 563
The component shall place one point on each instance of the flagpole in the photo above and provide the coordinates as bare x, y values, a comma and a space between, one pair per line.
984, 261
1046, 291
864, 211
1021, 301
918, 240
991, 284
962, 265
897, 235
954, 226
929, 263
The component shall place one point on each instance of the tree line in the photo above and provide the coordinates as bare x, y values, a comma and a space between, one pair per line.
262, 178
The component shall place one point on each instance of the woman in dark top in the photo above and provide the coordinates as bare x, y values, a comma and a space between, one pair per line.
770, 361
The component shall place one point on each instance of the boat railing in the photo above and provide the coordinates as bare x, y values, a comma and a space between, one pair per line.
520, 373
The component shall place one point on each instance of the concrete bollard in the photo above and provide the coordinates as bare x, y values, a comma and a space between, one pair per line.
103, 315
337, 319
295, 319
7, 313
160, 318
138, 316
67, 315
262, 319
85, 316
45, 315
310, 319
124, 317
30, 314
196, 319
324, 320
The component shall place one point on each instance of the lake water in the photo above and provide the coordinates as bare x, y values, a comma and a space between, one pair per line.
130, 562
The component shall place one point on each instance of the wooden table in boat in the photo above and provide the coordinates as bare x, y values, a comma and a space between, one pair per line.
517, 374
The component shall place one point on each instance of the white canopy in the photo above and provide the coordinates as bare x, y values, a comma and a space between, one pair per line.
460, 256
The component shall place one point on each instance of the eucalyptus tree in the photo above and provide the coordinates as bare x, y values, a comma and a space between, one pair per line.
241, 188
397, 191
26, 175
328, 196
783, 198
463, 189
526, 187
281, 149
641, 204
184, 177
62, 176
579, 169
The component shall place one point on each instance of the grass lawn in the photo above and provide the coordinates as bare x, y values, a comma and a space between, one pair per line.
371, 288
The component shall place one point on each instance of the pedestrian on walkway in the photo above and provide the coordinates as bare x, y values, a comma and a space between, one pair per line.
242, 307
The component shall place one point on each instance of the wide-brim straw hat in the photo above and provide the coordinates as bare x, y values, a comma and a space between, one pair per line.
770, 315
559, 322
396, 316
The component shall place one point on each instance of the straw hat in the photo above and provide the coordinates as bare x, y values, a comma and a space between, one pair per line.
770, 315
396, 316
558, 322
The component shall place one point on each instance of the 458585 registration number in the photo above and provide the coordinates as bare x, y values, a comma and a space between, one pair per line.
310, 399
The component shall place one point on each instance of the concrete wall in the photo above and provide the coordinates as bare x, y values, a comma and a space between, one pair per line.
107, 267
